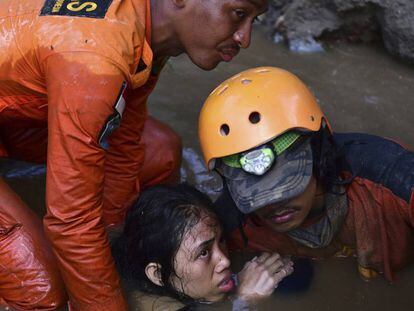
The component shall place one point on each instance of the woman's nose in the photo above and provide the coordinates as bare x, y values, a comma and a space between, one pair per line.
223, 262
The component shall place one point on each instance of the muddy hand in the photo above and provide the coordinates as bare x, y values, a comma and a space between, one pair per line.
261, 276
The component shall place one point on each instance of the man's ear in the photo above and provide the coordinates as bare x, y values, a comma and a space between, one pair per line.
153, 272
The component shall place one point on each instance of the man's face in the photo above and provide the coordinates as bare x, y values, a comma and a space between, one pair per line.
290, 214
212, 31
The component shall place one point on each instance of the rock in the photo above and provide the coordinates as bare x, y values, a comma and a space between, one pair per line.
305, 18
302, 21
398, 28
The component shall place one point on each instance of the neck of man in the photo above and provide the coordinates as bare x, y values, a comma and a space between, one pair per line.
164, 40
318, 204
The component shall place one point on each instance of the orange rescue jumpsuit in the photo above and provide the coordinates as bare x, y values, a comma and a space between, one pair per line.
63, 66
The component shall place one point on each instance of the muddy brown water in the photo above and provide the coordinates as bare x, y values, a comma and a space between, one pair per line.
360, 88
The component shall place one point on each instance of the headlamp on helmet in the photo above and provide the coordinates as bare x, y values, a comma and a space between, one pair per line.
259, 160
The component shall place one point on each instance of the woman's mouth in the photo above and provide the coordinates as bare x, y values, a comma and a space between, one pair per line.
226, 285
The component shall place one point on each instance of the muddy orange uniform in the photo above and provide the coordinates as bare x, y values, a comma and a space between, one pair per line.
76, 71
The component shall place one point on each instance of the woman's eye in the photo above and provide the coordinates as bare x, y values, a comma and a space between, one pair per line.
204, 253
256, 20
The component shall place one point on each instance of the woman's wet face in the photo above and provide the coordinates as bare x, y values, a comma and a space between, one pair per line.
213, 31
290, 214
201, 264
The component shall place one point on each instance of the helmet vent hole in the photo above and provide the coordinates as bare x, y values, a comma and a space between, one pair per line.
224, 130
246, 81
312, 118
223, 90
254, 117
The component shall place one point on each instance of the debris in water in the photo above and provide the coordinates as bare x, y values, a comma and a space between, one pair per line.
12, 169
307, 45
193, 171
278, 38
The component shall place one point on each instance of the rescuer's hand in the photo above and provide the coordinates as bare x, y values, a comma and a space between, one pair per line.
261, 276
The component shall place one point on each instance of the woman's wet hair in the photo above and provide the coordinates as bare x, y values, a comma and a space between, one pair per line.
154, 229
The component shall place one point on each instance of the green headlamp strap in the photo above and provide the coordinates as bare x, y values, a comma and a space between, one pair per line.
232, 160
259, 160
284, 141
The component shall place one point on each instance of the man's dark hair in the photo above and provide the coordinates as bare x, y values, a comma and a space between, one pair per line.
328, 160
154, 229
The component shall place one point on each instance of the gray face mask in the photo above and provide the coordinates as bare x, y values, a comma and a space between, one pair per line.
320, 234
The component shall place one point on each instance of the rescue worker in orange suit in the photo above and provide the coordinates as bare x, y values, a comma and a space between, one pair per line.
78, 73
295, 187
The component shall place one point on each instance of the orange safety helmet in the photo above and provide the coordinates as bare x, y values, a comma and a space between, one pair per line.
254, 107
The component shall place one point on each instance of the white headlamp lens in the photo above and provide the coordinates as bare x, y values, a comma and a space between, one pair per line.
258, 161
